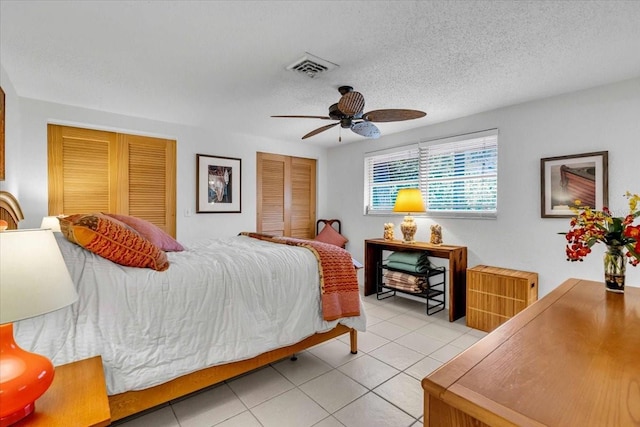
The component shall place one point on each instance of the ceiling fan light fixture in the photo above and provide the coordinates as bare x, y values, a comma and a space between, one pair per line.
349, 108
366, 129
311, 65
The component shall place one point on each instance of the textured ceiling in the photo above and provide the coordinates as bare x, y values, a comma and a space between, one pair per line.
221, 64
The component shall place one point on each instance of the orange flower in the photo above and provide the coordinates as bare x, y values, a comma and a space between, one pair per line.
591, 226
633, 232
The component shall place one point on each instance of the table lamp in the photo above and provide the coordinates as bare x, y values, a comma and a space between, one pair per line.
34, 280
409, 200
51, 222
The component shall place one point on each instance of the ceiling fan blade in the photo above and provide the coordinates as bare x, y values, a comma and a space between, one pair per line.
322, 129
351, 103
366, 129
306, 117
392, 115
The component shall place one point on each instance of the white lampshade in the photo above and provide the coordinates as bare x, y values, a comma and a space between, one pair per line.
34, 279
50, 222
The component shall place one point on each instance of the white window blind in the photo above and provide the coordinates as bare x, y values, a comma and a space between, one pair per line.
458, 176
385, 174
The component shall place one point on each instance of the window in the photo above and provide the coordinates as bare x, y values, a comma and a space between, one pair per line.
385, 174
458, 176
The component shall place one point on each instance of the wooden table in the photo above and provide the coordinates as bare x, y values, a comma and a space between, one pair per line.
570, 359
77, 397
457, 256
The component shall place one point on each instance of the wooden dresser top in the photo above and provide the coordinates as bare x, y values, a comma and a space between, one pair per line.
570, 359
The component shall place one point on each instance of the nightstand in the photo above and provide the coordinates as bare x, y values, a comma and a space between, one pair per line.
77, 397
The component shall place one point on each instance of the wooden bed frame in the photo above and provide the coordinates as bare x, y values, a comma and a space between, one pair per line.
131, 402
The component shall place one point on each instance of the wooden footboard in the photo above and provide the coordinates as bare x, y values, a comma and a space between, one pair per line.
124, 404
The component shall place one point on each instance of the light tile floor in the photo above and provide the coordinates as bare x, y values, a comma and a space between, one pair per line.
328, 386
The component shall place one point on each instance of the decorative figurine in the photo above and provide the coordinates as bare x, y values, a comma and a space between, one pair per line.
388, 231
436, 235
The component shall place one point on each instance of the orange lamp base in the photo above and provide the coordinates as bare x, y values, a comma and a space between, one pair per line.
24, 377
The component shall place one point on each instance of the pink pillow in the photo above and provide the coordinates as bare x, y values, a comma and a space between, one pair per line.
329, 235
151, 232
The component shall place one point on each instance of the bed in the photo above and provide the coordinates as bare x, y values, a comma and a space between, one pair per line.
204, 320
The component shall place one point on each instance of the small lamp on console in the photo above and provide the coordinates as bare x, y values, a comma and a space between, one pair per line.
409, 200
34, 280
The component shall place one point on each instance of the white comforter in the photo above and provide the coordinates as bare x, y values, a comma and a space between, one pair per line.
220, 300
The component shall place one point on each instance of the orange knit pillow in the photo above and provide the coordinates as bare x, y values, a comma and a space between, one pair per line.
113, 240
66, 223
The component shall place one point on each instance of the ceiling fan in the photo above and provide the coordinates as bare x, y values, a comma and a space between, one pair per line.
349, 113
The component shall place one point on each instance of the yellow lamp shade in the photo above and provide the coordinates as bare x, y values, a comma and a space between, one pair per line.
409, 200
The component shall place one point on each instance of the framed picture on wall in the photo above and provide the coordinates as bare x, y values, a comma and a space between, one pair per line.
565, 179
217, 184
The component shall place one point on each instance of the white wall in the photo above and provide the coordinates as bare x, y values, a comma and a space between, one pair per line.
28, 171
12, 134
599, 119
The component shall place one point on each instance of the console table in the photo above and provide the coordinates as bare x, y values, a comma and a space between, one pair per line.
570, 359
457, 256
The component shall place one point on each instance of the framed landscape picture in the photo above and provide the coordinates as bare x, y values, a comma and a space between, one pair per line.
217, 184
565, 179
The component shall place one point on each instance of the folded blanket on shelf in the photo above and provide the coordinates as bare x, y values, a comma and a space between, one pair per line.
404, 281
410, 257
413, 262
402, 287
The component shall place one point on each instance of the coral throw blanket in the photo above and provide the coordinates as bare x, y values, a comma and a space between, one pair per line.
338, 280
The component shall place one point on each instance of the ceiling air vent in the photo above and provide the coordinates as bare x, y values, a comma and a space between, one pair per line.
311, 65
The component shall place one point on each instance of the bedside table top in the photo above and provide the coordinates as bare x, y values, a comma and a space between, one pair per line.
77, 397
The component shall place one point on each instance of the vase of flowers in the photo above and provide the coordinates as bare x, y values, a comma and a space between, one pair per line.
614, 268
619, 234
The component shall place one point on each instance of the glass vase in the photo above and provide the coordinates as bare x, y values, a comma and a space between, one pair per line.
614, 268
